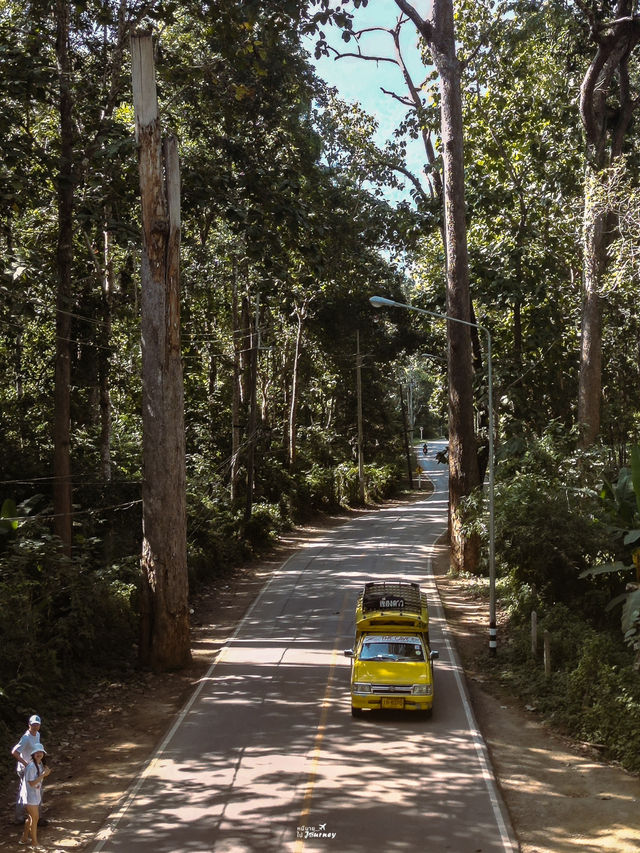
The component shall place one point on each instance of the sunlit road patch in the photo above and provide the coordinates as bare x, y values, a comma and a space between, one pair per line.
266, 755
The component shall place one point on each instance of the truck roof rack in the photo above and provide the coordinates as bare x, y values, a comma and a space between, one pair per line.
391, 595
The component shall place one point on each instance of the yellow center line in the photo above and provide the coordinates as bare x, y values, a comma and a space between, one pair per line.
322, 725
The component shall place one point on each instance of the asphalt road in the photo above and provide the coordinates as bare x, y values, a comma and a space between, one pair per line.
266, 756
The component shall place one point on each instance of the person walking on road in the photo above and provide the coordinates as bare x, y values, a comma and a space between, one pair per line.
22, 753
31, 794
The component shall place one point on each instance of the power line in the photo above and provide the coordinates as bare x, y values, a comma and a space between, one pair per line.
74, 513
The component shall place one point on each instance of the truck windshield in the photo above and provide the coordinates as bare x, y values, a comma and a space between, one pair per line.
391, 650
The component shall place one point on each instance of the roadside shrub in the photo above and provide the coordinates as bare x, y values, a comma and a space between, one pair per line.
273, 481
347, 484
381, 481
340, 486
265, 523
600, 699
214, 536
548, 518
569, 633
593, 692
519, 599
74, 617
321, 485
546, 534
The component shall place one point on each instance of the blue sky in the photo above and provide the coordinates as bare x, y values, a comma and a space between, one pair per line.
361, 80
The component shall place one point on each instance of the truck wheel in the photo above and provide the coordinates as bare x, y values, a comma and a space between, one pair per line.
356, 712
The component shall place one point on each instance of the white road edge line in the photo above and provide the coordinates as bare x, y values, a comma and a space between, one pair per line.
508, 842
109, 827
111, 824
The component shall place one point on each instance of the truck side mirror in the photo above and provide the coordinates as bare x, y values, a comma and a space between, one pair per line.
348, 653
434, 655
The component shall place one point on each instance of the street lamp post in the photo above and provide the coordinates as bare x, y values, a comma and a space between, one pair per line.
378, 302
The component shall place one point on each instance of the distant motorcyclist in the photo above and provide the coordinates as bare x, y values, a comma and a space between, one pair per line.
424, 449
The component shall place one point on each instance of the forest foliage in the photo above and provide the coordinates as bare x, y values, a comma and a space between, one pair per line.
287, 229
282, 244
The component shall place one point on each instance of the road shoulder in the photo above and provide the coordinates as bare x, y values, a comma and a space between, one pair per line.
560, 797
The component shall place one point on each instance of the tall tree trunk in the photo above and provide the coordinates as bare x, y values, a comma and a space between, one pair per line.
594, 257
62, 504
164, 642
463, 459
605, 127
212, 381
18, 367
517, 332
438, 33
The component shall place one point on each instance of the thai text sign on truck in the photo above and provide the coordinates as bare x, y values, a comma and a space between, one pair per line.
391, 660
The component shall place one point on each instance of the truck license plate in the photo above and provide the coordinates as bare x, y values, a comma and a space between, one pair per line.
393, 702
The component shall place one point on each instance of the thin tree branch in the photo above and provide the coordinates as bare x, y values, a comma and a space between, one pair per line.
414, 180
611, 56
359, 55
424, 27
414, 100
482, 41
404, 101
587, 95
417, 105
591, 18
357, 33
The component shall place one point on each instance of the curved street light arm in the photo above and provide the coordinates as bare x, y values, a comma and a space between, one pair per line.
379, 302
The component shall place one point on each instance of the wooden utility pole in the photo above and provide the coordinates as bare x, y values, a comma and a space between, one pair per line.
164, 641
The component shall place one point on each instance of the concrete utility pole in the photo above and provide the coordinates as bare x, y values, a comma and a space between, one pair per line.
359, 388
410, 411
253, 412
164, 632
405, 431
377, 302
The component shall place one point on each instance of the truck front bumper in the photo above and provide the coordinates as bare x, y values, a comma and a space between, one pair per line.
372, 702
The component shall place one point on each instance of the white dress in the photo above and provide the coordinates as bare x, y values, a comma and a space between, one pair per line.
31, 795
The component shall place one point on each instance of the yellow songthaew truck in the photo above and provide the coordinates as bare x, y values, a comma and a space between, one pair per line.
392, 662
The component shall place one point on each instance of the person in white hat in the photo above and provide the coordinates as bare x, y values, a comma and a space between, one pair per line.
31, 793
22, 754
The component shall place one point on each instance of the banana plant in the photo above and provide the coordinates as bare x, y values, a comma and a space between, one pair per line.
12, 516
8, 518
622, 500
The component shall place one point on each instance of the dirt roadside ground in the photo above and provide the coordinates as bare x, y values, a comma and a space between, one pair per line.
561, 798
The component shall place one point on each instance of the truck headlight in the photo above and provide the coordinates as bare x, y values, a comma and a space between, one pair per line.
361, 687
422, 690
